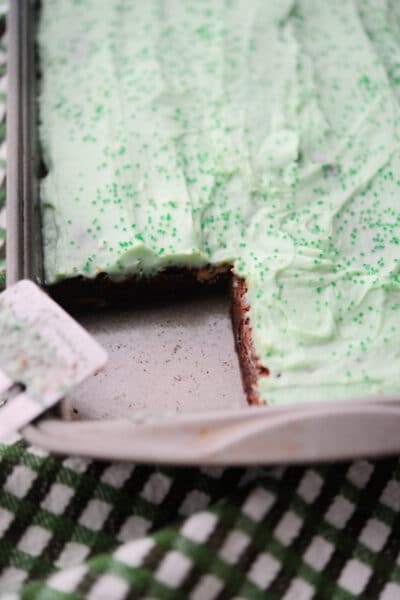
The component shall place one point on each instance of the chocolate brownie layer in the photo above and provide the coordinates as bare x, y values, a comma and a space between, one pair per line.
81, 293
250, 367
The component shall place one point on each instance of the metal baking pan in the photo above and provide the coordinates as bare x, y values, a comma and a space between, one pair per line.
171, 391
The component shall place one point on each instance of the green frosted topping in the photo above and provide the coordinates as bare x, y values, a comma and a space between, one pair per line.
261, 134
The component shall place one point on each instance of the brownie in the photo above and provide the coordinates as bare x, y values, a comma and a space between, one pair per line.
80, 293
250, 367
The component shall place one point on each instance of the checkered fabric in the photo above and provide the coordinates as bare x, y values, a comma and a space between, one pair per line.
73, 528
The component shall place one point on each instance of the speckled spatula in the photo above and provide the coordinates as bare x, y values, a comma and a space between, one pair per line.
43, 354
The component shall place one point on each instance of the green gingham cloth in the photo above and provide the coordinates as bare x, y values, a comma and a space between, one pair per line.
72, 528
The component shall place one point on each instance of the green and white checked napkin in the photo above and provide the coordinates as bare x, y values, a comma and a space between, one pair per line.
73, 528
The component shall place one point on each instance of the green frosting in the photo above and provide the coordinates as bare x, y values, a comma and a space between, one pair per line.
263, 134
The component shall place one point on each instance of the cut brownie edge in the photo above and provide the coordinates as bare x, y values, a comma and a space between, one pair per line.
80, 293
250, 367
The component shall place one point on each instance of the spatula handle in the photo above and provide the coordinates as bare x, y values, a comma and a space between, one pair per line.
314, 433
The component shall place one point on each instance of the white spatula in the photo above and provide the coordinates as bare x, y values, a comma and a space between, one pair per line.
43, 354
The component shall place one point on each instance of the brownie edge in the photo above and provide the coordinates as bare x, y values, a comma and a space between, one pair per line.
81, 293
250, 367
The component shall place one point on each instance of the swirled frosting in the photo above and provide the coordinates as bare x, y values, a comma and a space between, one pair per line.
261, 134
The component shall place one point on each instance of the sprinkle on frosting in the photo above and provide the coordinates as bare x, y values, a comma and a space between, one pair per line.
261, 134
